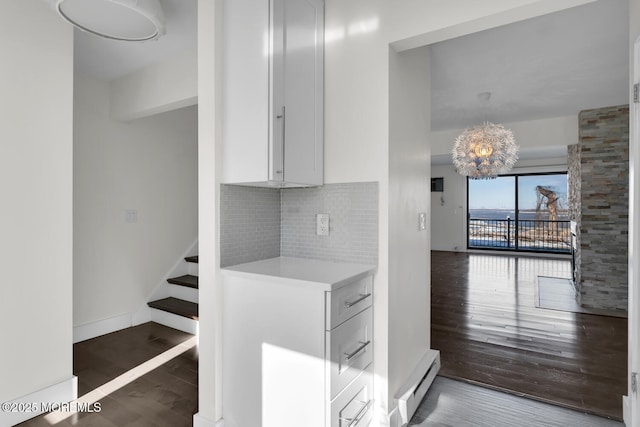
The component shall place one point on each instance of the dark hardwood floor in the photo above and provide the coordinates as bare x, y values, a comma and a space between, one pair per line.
451, 403
165, 396
489, 332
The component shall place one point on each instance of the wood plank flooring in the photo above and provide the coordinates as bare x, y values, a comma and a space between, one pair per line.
452, 403
177, 306
489, 332
166, 396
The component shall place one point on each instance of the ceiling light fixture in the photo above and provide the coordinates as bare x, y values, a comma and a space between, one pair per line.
485, 151
127, 20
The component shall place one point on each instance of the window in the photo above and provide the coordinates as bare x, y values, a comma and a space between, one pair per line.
526, 212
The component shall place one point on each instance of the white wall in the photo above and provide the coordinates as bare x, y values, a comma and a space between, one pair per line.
158, 88
209, 179
149, 165
531, 134
409, 185
448, 218
36, 86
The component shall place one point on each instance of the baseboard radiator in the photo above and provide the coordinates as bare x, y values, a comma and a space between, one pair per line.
416, 387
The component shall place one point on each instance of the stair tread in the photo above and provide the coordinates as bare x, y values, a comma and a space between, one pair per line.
176, 306
187, 280
193, 259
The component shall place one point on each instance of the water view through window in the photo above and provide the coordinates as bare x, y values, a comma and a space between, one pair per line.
519, 212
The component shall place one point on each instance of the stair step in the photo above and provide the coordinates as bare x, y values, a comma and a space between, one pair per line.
193, 259
176, 306
187, 280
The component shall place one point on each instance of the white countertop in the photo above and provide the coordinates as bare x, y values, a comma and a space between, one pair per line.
323, 275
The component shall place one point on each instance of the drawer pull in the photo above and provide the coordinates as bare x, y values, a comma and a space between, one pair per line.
358, 350
362, 298
355, 420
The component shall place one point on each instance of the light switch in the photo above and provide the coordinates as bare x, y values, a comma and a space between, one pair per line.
422, 221
131, 215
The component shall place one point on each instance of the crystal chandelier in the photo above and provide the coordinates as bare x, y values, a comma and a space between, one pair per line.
485, 151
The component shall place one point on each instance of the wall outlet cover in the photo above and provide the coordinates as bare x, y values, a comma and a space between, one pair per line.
131, 215
422, 221
322, 224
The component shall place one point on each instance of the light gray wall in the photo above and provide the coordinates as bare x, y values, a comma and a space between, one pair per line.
449, 211
409, 185
530, 134
149, 165
36, 134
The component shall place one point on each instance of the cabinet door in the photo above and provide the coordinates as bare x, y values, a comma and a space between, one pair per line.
245, 91
273, 92
302, 90
277, 106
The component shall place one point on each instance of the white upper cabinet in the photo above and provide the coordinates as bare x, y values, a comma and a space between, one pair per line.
273, 92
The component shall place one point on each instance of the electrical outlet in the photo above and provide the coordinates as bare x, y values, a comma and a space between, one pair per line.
322, 224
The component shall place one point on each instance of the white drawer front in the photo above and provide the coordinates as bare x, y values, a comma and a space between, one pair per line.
347, 301
354, 406
349, 350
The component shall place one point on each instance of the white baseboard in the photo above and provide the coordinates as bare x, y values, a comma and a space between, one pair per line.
101, 327
200, 421
408, 398
625, 411
140, 316
394, 418
174, 321
63, 392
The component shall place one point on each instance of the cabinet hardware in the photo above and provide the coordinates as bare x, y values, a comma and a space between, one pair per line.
282, 117
350, 304
355, 420
284, 137
358, 350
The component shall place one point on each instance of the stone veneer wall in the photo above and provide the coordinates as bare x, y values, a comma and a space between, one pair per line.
604, 212
574, 198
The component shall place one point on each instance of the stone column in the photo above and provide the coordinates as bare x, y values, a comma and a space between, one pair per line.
604, 207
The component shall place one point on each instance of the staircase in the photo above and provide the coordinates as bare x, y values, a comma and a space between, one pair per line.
177, 303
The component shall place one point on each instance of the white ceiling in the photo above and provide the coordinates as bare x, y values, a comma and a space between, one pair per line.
553, 65
110, 59
550, 66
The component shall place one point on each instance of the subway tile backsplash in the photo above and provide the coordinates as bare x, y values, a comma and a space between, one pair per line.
261, 223
353, 222
249, 224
